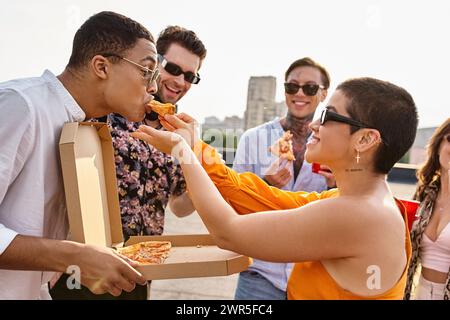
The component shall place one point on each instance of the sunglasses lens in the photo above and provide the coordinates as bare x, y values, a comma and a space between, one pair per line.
155, 75
190, 77
447, 137
173, 69
310, 89
291, 88
152, 76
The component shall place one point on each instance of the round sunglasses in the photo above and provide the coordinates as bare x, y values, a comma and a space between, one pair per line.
176, 70
149, 75
309, 89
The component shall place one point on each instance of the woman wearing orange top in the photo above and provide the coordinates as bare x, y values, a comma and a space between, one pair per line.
353, 244
430, 234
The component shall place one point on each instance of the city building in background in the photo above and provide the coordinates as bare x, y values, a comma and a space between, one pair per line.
233, 122
261, 105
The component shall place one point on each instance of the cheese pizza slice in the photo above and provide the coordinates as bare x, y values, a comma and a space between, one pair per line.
149, 252
162, 108
283, 147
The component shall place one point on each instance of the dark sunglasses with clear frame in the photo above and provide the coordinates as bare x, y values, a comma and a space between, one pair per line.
309, 89
149, 75
176, 70
328, 115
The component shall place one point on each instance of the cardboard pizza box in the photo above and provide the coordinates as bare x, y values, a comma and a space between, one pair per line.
87, 161
192, 256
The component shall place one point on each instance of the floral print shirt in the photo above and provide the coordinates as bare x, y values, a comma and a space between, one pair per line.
146, 179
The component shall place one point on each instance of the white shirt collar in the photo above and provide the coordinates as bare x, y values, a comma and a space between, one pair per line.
69, 102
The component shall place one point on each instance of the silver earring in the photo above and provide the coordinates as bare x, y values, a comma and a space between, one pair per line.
357, 156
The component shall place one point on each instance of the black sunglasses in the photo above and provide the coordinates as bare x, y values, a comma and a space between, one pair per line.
447, 137
176, 70
328, 115
309, 89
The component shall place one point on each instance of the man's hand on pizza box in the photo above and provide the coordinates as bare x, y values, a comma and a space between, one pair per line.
104, 271
278, 175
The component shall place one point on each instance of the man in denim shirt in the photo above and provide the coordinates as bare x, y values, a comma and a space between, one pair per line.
305, 87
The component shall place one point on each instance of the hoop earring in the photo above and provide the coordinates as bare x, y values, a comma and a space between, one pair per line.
358, 157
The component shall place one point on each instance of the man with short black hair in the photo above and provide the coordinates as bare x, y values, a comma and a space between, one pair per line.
112, 69
149, 180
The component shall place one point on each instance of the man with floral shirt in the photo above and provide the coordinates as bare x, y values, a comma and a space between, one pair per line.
149, 180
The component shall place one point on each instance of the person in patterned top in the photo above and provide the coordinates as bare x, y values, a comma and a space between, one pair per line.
149, 180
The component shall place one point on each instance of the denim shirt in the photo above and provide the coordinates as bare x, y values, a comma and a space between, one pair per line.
253, 155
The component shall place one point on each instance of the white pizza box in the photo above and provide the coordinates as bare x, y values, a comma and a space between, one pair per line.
87, 161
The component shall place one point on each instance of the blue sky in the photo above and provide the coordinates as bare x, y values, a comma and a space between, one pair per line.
405, 42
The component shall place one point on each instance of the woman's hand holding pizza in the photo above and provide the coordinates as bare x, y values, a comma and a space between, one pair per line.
184, 125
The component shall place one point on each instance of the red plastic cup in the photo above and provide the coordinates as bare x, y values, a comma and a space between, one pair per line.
411, 209
315, 167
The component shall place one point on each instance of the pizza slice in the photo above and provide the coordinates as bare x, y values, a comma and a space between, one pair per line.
162, 108
149, 252
283, 147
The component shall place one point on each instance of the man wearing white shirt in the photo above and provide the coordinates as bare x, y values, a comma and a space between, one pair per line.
112, 69
306, 86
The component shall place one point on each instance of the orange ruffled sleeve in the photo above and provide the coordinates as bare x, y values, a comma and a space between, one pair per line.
248, 193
